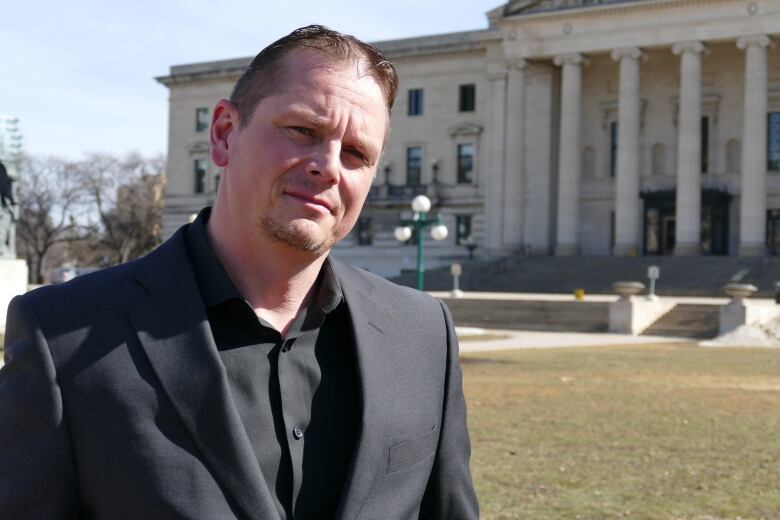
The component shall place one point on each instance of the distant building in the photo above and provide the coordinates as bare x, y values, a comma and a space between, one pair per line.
567, 127
11, 141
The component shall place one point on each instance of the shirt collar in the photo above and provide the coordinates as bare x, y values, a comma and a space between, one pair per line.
217, 287
214, 283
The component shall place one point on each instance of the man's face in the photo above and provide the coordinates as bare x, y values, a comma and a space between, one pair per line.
299, 171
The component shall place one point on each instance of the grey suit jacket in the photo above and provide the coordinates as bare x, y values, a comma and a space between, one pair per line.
114, 404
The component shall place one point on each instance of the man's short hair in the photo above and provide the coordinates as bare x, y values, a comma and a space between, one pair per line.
262, 76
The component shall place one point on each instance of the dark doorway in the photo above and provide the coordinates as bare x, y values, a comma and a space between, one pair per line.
773, 232
660, 220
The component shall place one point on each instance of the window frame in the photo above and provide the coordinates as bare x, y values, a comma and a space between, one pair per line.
408, 165
201, 126
467, 97
200, 174
462, 239
416, 102
462, 176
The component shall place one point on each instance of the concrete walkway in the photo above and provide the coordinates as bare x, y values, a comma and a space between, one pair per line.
518, 339
558, 297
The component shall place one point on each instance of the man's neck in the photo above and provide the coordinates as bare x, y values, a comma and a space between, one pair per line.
277, 280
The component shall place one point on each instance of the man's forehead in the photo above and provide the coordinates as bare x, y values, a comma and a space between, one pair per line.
300, 64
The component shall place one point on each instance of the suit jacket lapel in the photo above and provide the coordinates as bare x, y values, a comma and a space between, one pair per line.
172, 326
372, 352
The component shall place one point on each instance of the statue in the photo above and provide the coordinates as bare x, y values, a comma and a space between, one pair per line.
7, 214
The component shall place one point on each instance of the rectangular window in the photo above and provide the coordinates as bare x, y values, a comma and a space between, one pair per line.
467, 98
413, 165
200, 175
613, 148
465, 163
611, 230
773, 142
416, 102
364, 235
773, 232
705, 144
201, 119
463, 230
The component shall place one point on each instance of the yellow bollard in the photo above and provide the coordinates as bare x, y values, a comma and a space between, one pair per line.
579, 294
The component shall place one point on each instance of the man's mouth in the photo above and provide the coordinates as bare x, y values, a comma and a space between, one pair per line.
310, 199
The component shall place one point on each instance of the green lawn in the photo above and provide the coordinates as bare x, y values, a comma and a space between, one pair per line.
653, 432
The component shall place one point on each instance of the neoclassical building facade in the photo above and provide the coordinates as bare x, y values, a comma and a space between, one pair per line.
566, 127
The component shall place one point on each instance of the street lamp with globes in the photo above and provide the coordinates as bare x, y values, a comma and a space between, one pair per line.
421, 205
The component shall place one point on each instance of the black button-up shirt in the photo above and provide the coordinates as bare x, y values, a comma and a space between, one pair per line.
296, 394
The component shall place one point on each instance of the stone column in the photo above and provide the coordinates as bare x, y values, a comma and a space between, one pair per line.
539, 117
569, 155
688, 210
514, 179
494, 189
752, 223
627, 180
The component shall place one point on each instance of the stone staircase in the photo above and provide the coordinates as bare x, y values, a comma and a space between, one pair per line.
680, 276
555, 316
693, 321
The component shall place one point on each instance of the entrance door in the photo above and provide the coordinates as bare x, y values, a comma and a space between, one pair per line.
659, 232
667, 234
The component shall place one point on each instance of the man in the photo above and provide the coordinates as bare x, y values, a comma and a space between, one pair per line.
238, 371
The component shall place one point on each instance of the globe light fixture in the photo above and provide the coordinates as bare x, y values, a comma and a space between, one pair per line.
403, 233
421, 205
439, 232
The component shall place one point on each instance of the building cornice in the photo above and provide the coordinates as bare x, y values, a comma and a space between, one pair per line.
206, 70
468, 41
609, 9
450, 44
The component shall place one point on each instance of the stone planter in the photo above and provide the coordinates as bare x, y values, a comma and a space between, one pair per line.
626, 289
740, 290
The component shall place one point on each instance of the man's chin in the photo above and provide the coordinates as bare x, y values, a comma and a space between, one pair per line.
298, 235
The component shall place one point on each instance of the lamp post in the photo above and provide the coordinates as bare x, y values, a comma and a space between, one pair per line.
421, 205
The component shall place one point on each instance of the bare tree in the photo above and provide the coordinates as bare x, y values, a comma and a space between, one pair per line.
126, 195
51, 205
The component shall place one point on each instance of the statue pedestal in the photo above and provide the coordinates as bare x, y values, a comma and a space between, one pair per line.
13, 281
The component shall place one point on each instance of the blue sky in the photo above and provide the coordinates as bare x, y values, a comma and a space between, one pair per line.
80, 74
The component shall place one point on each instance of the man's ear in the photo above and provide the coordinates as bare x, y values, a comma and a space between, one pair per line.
224, 120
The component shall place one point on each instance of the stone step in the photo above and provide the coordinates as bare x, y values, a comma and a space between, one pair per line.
530, 315
680, 276
687, 321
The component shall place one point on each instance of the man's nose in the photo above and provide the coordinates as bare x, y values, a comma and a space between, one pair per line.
326, 162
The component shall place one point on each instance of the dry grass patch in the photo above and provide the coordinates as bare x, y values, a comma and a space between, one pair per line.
662, 431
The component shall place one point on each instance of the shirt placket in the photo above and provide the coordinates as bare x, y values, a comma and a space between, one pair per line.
295, 389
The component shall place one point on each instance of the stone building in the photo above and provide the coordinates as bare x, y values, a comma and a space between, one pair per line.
593, 127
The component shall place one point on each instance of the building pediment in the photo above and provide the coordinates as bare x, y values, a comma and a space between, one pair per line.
521, 7
464, 129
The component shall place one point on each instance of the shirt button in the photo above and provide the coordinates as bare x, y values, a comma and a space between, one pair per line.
297, 433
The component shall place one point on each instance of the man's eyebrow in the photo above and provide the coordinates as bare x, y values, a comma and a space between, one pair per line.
317, 121
308, 117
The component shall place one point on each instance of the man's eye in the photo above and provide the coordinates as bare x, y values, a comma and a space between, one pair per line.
302, 130
356, 153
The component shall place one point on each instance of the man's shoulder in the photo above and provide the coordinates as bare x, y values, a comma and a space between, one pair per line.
404, 302
105, 288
